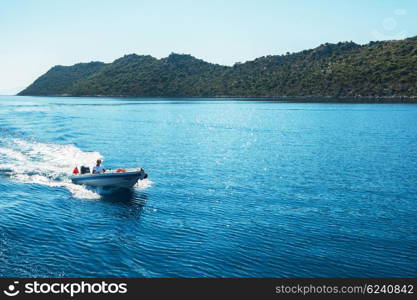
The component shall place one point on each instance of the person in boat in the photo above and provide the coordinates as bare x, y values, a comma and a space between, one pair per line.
98, 169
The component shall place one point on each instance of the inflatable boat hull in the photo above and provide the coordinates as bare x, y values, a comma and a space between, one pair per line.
110, 179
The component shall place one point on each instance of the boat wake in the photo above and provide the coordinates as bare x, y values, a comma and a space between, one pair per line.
47, 164
143, 184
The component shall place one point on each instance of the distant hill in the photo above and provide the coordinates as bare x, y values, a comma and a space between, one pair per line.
385, 69
59, 80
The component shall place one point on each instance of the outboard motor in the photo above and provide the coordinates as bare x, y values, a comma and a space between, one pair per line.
85, 170
143, 175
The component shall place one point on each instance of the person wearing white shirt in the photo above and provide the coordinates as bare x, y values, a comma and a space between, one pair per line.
98, 169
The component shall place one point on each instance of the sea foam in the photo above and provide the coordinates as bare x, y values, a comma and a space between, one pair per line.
46, 164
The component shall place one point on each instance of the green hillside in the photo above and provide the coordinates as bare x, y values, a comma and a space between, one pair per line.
59, 79
345, 69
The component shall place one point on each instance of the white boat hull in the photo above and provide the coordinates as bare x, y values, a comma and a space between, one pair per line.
110, 179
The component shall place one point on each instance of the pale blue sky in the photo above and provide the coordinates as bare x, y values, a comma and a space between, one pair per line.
38, 34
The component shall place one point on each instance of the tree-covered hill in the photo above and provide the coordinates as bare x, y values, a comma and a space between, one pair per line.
59, 79
345, 69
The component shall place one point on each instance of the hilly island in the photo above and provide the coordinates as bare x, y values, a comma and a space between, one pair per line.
385, 69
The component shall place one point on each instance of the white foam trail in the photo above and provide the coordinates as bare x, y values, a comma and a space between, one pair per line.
11, 153
144, 184
46, 164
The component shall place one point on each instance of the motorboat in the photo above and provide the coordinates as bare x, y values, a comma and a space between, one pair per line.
120, 178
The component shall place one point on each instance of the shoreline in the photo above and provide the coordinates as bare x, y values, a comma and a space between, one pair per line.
295, 99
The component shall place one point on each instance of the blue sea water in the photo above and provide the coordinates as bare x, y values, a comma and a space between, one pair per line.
236, 188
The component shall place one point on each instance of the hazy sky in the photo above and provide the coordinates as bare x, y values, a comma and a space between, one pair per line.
38, 34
